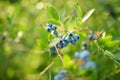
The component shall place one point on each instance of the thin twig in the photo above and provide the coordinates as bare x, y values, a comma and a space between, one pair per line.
48, 67
59, 54
99, 47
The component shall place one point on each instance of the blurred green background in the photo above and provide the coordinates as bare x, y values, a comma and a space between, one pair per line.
20, 56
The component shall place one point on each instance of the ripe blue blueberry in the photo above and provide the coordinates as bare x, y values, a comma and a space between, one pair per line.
63, 73
61, 41
84, 55
76, 37
52, 50
58, 77
77, 55
65, 43
68, 39
84, 45
48, 29
74, 42
88, 65
54, 27
49, 25
59, 45
55, 32
70, 34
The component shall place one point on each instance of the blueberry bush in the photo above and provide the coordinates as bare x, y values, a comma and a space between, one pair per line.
59, 40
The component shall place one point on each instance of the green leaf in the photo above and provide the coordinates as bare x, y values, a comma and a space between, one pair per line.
79, 11
43, 34
87, 15
66, 20
42, 42
107, 43
115, 58
54, 42
53, 12
67, 61
54, 21
62, 14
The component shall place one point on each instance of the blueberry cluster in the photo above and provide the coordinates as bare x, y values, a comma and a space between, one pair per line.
51, 28
65, 40
61, 75
70, 38
84, 56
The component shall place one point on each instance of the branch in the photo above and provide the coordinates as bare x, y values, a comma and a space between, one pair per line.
109, 54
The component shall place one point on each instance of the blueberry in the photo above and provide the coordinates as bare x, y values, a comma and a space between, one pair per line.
48, 29
49, 25
90, 37
76, 37
55, 32
54, 27
61, 41
88, 65
59, 45
63, 37
63, 73
65, 43
70, 34
85, 55
77, 54
52, 50
58, 77
74, 42
84, 45
68, 39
